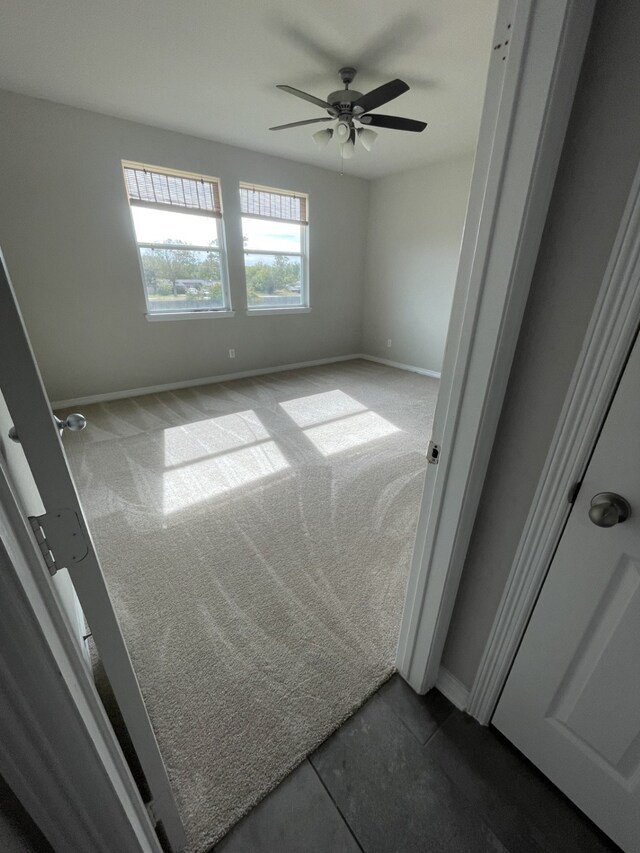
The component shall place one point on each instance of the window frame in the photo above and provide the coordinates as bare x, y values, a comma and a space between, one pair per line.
199, 313
304, 307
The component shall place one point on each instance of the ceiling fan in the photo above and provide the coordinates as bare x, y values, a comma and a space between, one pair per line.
346, 106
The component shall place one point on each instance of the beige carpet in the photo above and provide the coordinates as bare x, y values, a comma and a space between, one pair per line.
256, 538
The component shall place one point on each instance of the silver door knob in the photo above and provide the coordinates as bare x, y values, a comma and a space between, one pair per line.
609, 509
74, 422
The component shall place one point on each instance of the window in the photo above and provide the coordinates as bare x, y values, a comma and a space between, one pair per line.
274, 231
178, 224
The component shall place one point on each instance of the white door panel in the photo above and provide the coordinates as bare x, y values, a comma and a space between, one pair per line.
29, 411
572, 700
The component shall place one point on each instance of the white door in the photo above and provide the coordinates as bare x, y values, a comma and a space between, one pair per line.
31, 505
66, 530
572, 700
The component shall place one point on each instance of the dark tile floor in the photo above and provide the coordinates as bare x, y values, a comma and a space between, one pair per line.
410, 773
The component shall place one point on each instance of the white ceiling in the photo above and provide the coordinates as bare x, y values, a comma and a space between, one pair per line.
209, 67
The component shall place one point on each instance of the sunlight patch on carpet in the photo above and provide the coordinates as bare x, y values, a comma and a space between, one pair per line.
347, 433
201, 481
318, 408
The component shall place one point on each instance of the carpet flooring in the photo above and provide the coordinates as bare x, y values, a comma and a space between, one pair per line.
256, 538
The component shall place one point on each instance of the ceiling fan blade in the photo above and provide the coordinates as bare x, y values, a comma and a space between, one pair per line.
382, 95
305, 97
393, 122
299, 123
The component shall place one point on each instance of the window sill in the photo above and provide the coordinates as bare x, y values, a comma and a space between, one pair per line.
256, 312
188, 315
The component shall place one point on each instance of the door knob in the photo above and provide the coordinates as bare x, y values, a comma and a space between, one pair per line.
608, 509
73, 422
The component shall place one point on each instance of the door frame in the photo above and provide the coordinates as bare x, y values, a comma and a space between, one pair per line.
606, 347
72, 779
528, 101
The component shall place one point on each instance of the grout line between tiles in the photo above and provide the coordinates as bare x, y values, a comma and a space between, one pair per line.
336, 806
483, 814
406, 726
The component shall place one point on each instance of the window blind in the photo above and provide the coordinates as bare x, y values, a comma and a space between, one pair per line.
264, 203
166, 190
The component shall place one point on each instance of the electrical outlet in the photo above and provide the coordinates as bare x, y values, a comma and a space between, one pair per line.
232, 353
388, 342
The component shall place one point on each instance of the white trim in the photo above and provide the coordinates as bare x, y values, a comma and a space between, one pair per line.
410, 367
276, 252
527, 106
191, 383
187, 315
611, 332
294, 309
190, 247
454, 690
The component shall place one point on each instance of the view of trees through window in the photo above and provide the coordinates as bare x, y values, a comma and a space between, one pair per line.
179, 230
181, 260
272, 275
175, 276
273, 255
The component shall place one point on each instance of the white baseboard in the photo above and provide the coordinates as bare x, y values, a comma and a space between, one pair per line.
410, 367
228, 377
190, 383
454, 690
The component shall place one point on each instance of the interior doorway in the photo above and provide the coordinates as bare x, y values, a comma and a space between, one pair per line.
257, 443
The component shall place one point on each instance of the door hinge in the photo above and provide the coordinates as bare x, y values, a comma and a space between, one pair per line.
152, 812
60, 538
41, 539
433, 453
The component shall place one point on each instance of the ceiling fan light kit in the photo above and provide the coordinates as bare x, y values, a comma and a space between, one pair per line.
367, 137
323, 137
347, 150
347, 106
343, 130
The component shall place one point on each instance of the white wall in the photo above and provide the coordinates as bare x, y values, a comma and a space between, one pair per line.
415, 229
598, 163
66, 233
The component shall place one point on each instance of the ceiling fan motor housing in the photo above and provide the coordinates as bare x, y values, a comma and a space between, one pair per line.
343, 98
